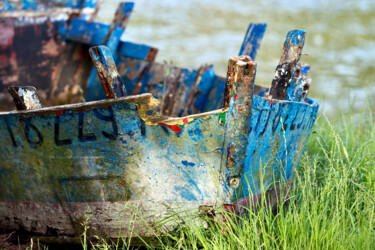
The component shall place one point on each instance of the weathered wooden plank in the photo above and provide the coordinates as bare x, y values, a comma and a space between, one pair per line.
107, 72
118, 26
140, 76
93, 33
239, 86
112, 41
142, 52
216, 94
25, 97
284, 71
253, 39
87, 32
190, 88
197, 97
138, 51
278, 134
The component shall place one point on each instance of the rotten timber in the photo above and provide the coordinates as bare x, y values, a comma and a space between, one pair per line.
284, 71
107, 71
239, 86
179, 88
25, 98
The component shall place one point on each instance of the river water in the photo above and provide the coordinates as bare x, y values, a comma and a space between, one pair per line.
340, 41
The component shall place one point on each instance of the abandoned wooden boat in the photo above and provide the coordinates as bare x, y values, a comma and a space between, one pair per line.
129, 161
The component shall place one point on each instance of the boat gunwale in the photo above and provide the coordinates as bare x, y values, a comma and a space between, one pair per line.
92, 104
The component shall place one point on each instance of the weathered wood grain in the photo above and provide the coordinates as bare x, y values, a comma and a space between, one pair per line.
278, 134
253, 39
137, 51
25, 97
107, 72
202, 82
140, 75
239, 86
118, 26
284, 71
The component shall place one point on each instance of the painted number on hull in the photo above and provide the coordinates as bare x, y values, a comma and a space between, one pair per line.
58, 138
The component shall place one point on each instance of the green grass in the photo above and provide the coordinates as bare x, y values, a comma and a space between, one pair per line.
332, 201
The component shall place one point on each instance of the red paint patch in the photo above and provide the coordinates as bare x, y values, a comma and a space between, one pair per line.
185, 120
59, 113
137, 104
175, 128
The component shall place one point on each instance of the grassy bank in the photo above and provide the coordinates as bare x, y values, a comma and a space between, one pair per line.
332, 204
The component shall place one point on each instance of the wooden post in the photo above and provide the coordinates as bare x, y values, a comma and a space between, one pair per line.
25, 97
118, 25
252, 40
239, 88
107, 72
284, 71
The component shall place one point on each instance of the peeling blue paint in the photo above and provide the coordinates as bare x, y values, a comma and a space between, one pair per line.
252, 40
278, 135
295, 37
186, 163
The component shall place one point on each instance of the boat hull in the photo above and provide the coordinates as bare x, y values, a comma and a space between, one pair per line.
127, 170
57, 160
